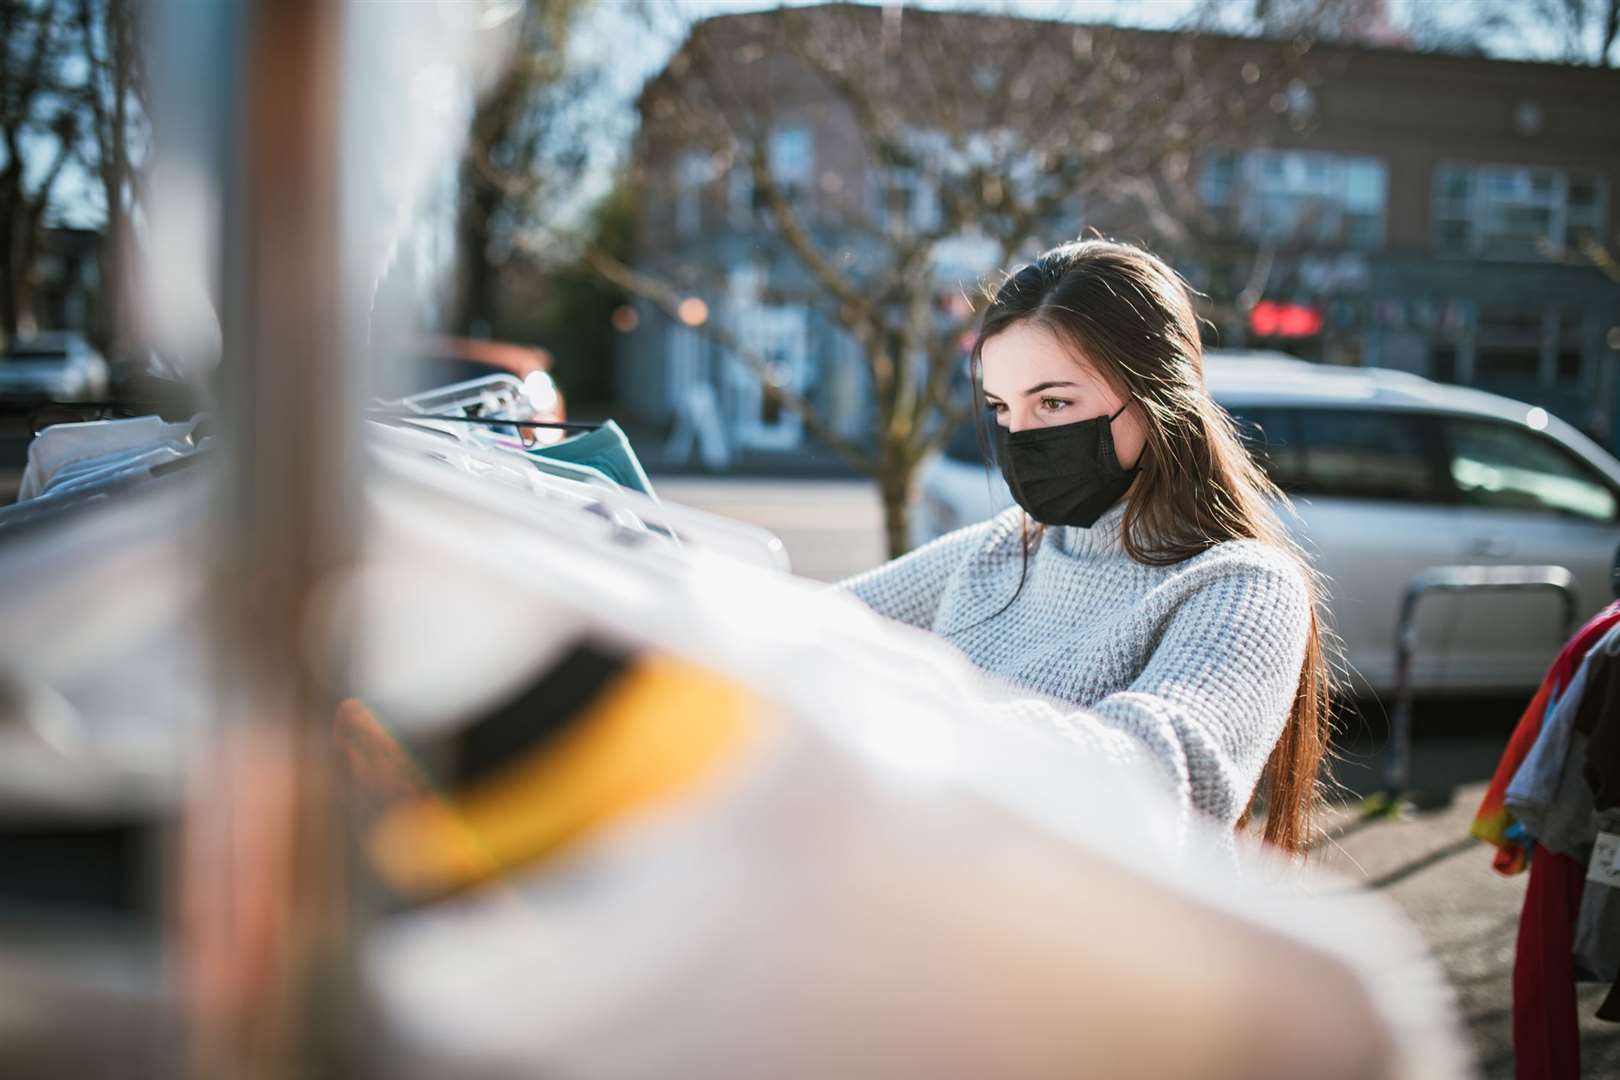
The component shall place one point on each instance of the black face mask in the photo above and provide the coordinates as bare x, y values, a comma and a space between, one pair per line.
1064, 475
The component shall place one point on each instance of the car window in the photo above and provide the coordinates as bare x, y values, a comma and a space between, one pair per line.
38, 356
1498, 465
1271, 436
1349, 453
1364, 454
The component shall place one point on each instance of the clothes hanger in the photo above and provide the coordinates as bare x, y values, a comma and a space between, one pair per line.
485, 394
636, 512
452, 432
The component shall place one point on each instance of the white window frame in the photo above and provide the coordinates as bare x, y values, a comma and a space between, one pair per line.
1258, 179
691, 175
782, 331
1303, 176
1472, 206
790, 152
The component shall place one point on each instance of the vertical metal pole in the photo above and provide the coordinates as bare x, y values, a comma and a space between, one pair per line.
1464, 579
265, 934
1398, 765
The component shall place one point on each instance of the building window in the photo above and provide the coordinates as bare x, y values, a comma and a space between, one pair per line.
691, 173
1522, 346
1298, 196
906, 197
1515, 212
791, 155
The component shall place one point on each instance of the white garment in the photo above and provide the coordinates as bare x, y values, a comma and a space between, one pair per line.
893, 883
61, 445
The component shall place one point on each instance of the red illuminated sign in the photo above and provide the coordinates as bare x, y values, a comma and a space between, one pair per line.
1271, 319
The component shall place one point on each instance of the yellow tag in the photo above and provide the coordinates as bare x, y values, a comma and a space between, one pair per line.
653, 734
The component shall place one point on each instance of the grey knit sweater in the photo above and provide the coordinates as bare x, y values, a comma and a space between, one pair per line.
1193, 666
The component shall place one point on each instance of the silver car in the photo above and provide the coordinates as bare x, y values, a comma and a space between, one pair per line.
1390, 474
57, 366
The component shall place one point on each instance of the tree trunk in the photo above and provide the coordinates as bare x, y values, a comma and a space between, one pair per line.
474, 313
894, 486
9, 287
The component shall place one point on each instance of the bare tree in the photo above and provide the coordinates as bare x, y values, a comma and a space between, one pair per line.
39, 135
1339, 21
116, 118
521, 146
1583, 32
1001, 132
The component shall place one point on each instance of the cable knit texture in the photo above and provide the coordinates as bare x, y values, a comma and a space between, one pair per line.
1194, 666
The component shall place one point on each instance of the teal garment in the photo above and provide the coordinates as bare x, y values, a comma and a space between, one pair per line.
606, 450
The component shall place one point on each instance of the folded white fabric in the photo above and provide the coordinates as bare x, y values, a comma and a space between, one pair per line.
63, 445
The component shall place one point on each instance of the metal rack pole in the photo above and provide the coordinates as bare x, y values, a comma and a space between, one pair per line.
1463, 579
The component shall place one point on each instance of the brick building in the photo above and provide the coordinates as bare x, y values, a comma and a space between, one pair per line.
1448, 215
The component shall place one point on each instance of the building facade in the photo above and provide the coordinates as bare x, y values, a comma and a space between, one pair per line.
1451, 216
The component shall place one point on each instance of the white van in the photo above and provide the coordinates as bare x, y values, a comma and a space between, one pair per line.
1390, 474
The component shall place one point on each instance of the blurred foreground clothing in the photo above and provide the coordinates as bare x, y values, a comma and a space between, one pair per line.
644, 809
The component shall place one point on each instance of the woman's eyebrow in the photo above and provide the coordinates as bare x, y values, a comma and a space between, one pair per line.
1038, 387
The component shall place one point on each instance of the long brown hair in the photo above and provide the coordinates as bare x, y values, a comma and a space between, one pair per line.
1132, 317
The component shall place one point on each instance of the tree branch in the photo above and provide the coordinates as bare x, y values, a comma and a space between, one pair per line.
668, 301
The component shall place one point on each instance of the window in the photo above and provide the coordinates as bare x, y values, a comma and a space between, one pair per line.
1494, 464
1295, 196
1508, 348
740, 194
1519, 346
1443, 363
1218, 182
691, 173
1344, 453
1515, 212
907, 197
792, 159
1568, 359
1270, 435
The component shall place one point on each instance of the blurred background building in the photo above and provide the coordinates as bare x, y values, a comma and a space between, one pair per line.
1447, 215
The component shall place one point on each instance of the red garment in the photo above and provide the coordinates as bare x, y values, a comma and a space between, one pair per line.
1546, 1032
1492, 819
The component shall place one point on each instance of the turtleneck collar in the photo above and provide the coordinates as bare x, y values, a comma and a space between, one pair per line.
1102, 539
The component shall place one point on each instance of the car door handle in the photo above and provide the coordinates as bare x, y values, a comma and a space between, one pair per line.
1490, 547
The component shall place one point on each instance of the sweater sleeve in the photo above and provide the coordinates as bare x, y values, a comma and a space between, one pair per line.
1215, 694
908, 589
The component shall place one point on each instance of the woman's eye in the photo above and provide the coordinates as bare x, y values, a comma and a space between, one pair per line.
996, 407
1052, 404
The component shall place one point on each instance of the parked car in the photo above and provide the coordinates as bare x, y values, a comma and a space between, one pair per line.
1389, 474
52, 367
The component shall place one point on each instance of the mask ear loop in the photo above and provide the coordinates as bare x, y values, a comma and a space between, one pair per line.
1138, 466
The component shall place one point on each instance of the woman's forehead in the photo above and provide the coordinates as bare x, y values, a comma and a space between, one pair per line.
1026, 354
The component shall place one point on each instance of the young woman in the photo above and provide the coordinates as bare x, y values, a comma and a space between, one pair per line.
1143, 577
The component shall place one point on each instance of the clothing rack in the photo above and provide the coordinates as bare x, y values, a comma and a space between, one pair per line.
1553, 807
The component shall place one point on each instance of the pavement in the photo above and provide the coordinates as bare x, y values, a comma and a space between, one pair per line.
1424, 861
